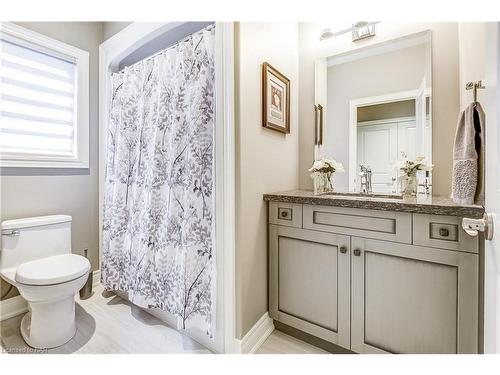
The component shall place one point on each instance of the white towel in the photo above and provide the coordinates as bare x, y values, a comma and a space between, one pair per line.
468, 157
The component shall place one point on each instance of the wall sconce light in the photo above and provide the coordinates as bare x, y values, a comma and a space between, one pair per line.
363, 30
360, 30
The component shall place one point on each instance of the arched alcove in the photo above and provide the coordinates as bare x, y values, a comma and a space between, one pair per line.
141, 40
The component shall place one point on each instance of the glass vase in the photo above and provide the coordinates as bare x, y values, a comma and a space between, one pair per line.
409, 186
322, 182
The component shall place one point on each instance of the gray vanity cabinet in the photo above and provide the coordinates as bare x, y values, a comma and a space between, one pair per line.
374, 281
309, 282
412, 299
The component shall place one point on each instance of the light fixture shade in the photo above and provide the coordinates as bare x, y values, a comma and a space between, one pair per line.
360, 30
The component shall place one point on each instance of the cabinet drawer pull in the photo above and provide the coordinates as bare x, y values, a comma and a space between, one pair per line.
444, 232
343, 249
357, 252
284, 213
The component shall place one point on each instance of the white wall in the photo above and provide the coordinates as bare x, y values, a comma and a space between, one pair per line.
266, 161
445, 88
35, 192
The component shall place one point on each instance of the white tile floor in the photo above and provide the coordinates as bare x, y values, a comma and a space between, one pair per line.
107, 323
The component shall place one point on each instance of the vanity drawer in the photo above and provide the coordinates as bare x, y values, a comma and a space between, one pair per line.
444, 232
382, 225
287, 214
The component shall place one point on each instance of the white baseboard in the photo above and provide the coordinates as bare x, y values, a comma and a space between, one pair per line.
13, 306
257, 335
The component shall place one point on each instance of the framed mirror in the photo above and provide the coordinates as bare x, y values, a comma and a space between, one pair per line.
376, 108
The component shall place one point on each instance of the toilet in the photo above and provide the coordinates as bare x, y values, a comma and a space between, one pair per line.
36, 258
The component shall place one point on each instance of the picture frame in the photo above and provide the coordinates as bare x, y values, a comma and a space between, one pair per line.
275, 99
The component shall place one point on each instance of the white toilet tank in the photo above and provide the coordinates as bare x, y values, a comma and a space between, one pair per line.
34, 238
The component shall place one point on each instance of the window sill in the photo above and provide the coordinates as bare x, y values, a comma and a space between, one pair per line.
73, 164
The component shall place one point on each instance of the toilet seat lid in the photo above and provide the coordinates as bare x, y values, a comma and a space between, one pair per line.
52, 270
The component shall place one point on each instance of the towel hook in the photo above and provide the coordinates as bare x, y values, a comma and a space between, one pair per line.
474, 86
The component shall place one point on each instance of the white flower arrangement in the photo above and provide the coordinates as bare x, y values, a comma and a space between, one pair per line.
406, 167
324, 165
322, 172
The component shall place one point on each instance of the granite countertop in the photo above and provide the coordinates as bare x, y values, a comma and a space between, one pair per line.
423, 204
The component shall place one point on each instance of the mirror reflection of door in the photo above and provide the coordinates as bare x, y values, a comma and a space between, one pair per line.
385, 132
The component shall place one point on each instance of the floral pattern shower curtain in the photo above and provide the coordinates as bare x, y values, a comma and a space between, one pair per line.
158, 226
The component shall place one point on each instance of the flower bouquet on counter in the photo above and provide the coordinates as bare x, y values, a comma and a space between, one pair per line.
407, 173
322, 173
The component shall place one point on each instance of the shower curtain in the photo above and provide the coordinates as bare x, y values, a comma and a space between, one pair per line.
158, 215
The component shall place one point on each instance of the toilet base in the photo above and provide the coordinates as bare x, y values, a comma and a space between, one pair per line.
49, 325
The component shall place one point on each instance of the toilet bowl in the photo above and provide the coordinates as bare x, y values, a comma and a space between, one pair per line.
37, 260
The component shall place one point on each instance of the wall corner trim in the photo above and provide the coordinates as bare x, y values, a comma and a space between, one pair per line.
13, 306
257, 335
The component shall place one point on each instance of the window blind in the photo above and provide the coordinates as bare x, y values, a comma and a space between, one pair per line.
38, 101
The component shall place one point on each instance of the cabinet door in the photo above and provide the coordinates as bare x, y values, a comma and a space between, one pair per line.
309, 282
413, 299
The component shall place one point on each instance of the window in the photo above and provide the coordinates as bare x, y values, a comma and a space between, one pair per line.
44, 101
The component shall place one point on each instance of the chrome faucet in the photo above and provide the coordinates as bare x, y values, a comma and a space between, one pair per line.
427, 183
365, 185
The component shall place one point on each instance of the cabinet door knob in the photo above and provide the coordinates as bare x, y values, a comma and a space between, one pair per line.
343, 249
357, 252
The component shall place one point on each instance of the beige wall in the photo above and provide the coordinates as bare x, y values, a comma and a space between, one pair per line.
266, 160
445, 86
472, 58
390, 72
404, 108
111, 28
33, 192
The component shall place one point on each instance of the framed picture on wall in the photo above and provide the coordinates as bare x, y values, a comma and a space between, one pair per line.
275, 99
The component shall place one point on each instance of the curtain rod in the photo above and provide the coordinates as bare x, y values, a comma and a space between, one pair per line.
182, 40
